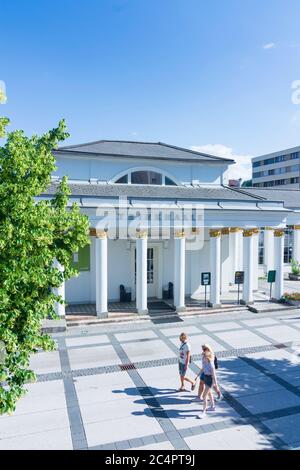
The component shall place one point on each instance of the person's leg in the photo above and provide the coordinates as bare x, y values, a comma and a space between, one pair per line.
212, 401
205, 395
181, 382
218, 391
201, 389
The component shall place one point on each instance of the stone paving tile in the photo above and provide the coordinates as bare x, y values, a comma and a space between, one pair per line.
45, 362
103, 388
219, 326
41, 396
25, 424
281, 333
269, 401
238, 339
57, 439
157, 446
86, 340
248, 386
149, 350
176, 331
261, 322
243, 437
196, 342
136, 335
120, 429
287, 428
81, 358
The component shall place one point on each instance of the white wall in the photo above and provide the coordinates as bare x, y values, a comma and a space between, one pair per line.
106, 169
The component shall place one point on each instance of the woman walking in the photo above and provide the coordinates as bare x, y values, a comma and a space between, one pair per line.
208, 377
201, 384
183, 362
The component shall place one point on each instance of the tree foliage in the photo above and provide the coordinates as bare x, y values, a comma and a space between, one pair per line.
33, 233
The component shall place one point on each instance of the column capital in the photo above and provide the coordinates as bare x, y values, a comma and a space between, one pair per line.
225, 231
256, 231
269, 228
296, 227
142, 234
248, 232
278, 232
179, 234
214, 233
98, 233
234, 229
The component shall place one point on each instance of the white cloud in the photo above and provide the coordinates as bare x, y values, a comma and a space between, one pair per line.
242, 167
269, 45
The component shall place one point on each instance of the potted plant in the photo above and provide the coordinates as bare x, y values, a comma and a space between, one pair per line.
295, 274
291, 298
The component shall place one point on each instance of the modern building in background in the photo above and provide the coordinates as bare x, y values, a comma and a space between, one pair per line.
277, 169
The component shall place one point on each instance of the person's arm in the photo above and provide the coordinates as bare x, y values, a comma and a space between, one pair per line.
187, 361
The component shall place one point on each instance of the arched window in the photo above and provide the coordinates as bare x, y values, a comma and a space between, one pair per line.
145, 177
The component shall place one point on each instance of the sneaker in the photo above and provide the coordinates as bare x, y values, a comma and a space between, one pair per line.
197, 399
219, 397
212, 408
202, 415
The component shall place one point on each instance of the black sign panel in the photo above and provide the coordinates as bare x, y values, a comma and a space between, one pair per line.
271, 276
239, 277
205, 279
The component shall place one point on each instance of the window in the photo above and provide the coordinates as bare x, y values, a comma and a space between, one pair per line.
146, 177
256, 164
257, 174
294, 155
81, 259
288, 245
269, 161
261, 247
123, 179
169, 182
281, 158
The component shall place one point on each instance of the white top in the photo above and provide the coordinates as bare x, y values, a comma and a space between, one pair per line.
183, 351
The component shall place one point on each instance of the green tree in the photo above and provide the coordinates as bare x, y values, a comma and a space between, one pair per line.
33, 233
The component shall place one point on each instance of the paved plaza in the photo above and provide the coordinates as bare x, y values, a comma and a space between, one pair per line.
115, 387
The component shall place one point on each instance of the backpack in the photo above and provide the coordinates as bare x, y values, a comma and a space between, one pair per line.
216, 363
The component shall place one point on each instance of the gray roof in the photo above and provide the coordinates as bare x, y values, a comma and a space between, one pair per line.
218, 193
146, 150
290, 197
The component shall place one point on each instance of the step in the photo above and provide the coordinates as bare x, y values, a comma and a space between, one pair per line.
267, 307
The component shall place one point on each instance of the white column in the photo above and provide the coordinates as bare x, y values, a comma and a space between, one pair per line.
269, 248
179, 271
278, 262
255, 258
296, 246
225, 260
101, 273
215, 268
248, 260
60, 308
141, 272
234, 237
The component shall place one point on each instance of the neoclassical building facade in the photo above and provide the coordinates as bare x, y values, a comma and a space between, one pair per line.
162, 215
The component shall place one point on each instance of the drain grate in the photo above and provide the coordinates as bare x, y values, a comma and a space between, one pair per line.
127, 366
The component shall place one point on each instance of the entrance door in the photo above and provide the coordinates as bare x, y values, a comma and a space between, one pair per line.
151, 271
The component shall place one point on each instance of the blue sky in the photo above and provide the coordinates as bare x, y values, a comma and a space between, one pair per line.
215, 75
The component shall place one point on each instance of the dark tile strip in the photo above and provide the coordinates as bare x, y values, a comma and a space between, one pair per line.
75, 419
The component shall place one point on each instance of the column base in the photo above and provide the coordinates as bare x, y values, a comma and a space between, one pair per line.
243, 302
102, 314
214, 305
143, 312
180, 309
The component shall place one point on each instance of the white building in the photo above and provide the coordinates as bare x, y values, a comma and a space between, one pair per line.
167, 178
275, 169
